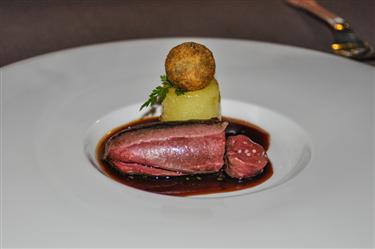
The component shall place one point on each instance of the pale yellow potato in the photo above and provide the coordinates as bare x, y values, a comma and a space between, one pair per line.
199, 104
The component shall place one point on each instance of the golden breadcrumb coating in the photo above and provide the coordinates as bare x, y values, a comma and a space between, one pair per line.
190, 66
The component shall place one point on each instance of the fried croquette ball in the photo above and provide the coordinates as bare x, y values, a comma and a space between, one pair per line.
190, 66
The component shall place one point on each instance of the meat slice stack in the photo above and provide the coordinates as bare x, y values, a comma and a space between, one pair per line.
245, 158
169, 149
184, 148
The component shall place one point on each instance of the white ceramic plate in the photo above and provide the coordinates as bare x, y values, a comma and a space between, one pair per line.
56, 107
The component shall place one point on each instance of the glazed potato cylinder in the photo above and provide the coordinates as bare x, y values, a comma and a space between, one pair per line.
199, 104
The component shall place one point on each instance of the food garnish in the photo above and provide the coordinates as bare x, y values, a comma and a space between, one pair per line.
159, 93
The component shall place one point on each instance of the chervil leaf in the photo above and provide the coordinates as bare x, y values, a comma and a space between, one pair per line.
180, 91
163, 78
159, 93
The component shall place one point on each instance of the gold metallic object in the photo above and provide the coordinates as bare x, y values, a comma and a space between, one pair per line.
339, 26
335, 46
345, 42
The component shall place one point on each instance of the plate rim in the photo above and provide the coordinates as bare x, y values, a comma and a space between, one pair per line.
136, 40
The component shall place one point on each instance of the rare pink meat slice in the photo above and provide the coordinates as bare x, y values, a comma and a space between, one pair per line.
139, 169
245, 158
183, 147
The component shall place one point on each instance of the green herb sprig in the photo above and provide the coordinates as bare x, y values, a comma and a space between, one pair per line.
159, 93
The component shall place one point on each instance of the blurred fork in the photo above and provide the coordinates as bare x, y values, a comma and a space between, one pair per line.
345, 42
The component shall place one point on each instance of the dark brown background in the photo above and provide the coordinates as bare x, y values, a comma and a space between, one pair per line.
29, 28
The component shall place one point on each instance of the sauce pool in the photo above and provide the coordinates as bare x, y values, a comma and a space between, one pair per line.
192, 184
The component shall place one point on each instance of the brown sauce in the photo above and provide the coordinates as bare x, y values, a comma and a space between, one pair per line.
192, 184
